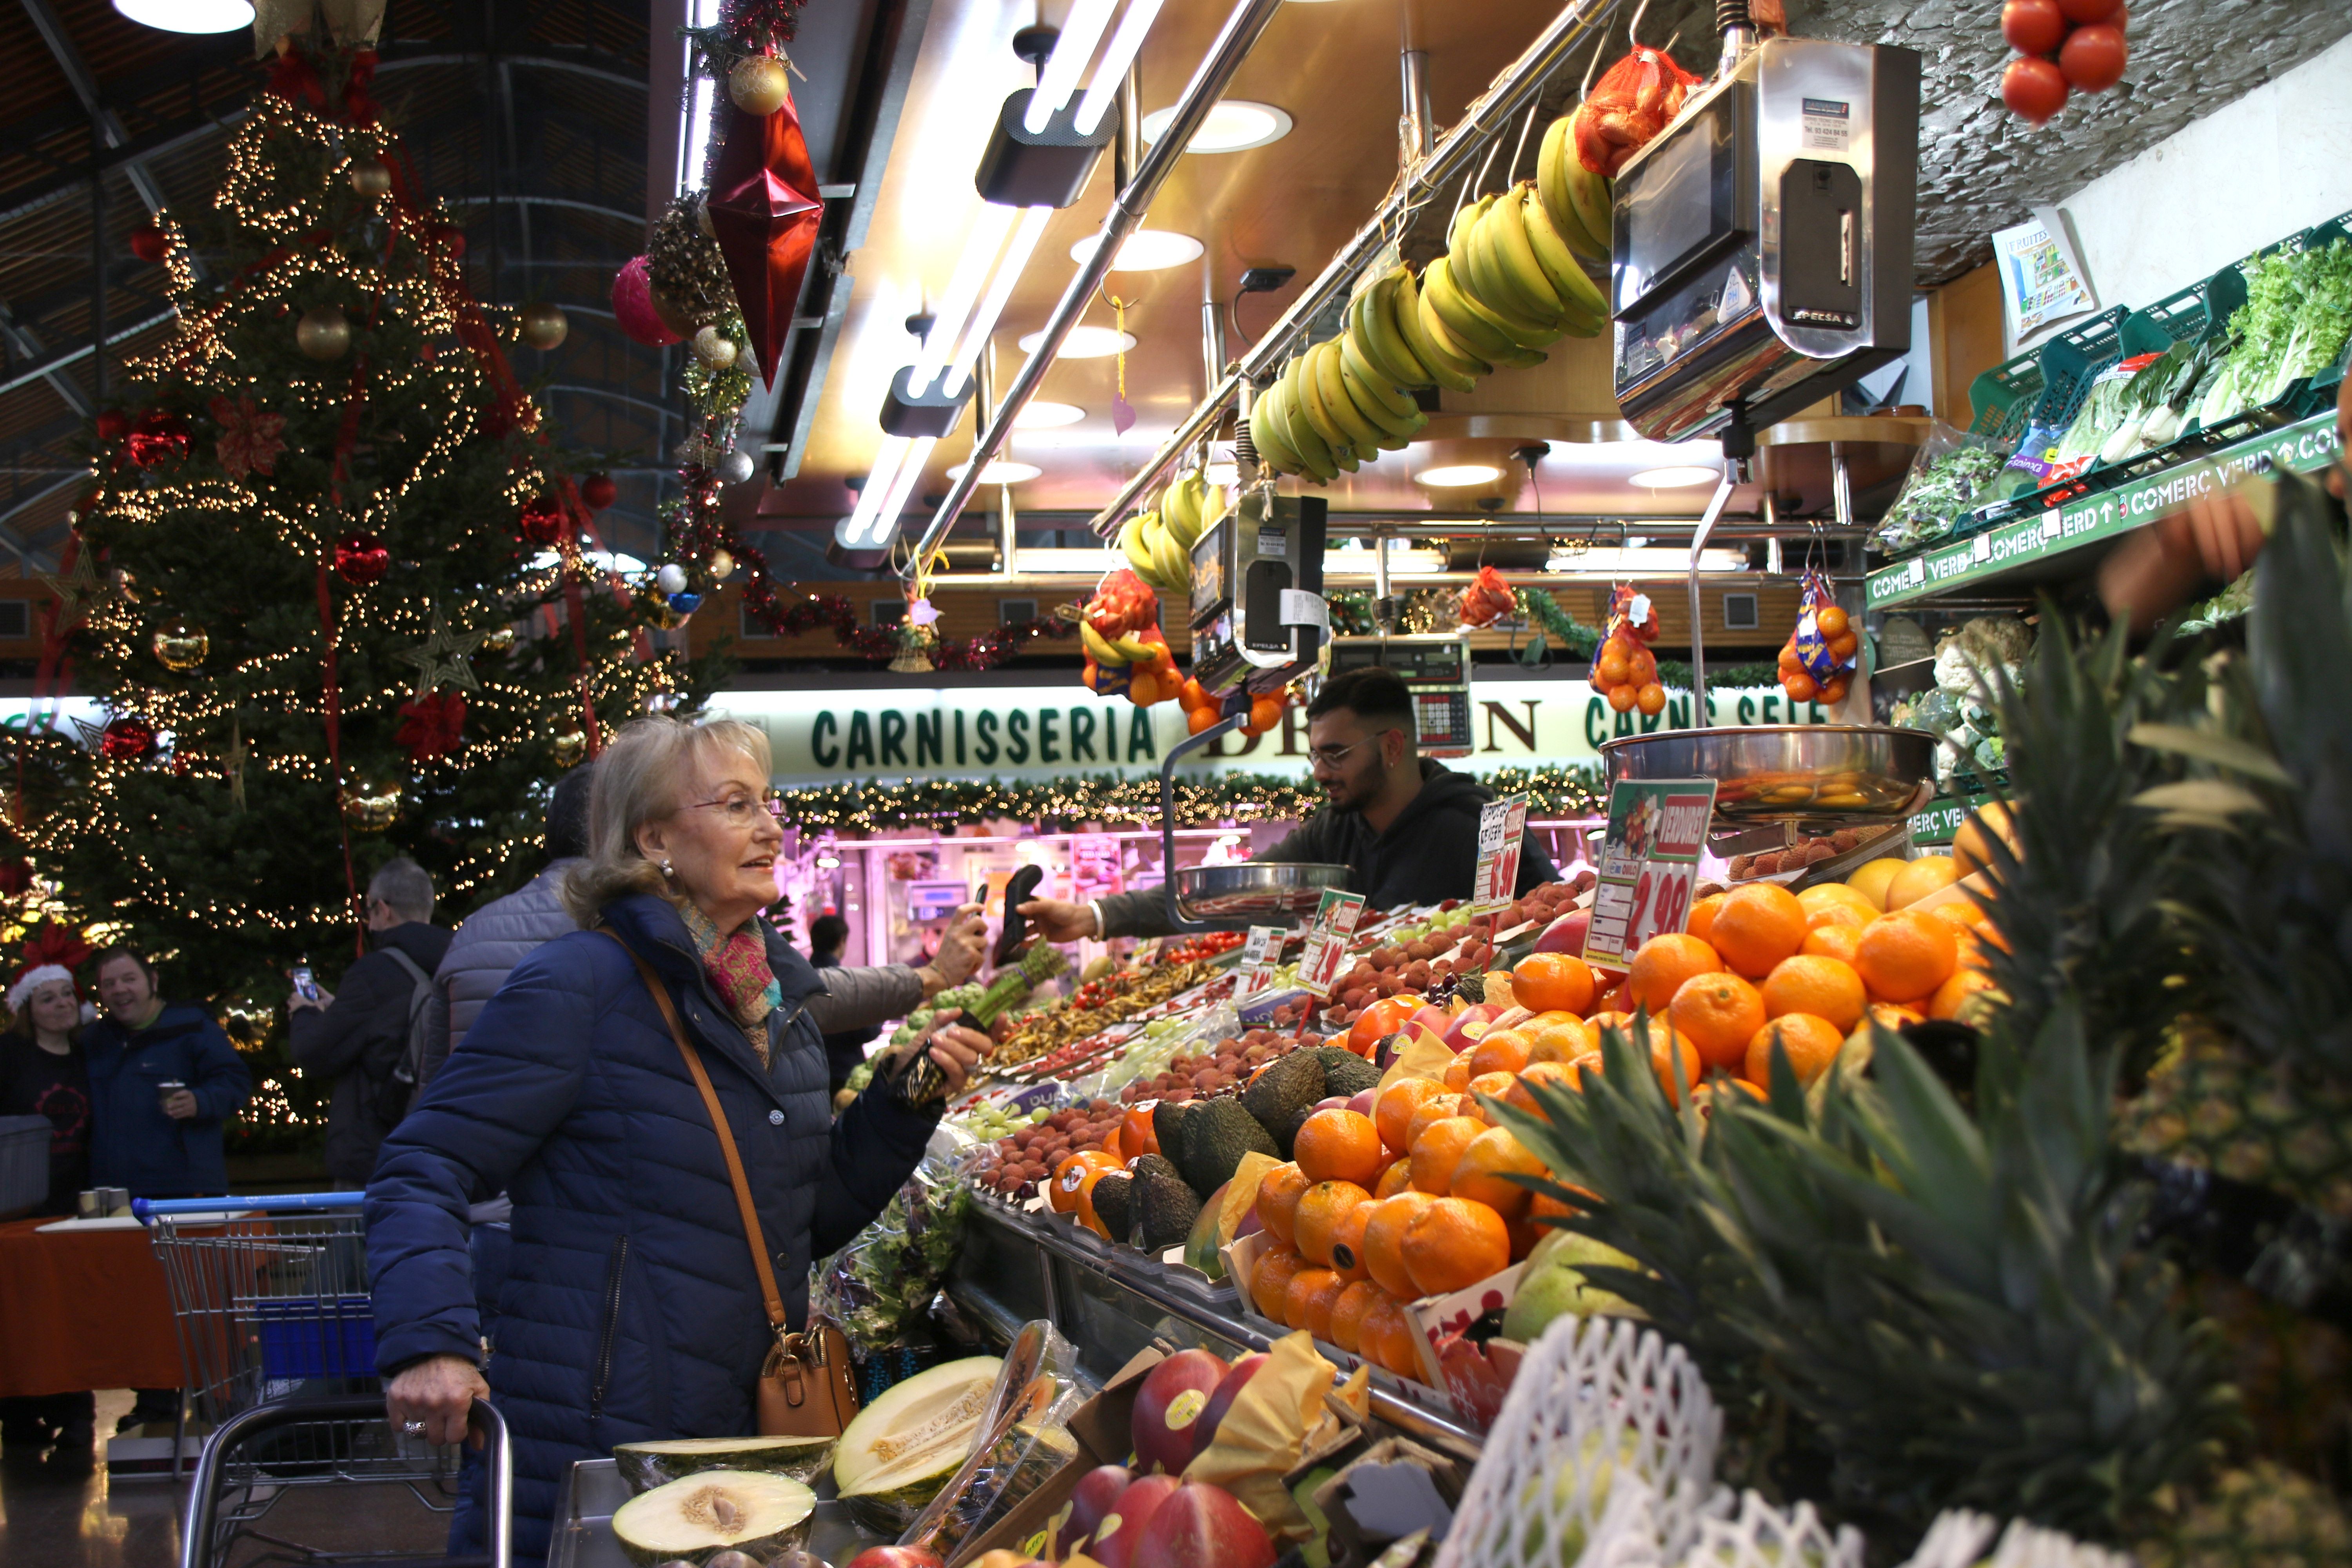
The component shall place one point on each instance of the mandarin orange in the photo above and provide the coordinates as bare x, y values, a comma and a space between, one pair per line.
1903, 957
1810, 1042
1810, 983
1348, 1314
1392, 1112
1384, 1242
1661, 966
1452, 1244
1548, 980
1759, 925
1481, 1173
1338, 1145
1436, 1150
1719, 1013
1278, 1192
1321, 1210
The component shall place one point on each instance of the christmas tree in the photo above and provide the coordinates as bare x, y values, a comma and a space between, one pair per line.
329, 580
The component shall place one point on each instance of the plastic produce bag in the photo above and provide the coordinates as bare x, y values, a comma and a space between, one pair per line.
1633, 101
1487, 598
876, 1288
1023, 1440
1950, 466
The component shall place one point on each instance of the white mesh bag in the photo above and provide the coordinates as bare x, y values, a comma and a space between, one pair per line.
1958, 1539
1762, 1536
1597, 1402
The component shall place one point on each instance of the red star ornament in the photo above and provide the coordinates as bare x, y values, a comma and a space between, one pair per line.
765, 210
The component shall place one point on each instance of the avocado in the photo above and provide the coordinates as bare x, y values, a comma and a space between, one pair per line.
1212, 1136
1345, 1072
1163, 1206
1112, 1192
1286, 1086
1167, 1119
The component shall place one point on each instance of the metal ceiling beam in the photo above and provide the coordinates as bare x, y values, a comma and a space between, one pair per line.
57, 361
535, 62
23, 344
155, 144
635, 220
109, 125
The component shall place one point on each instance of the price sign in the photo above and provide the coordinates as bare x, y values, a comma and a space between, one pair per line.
1502, 828
1649, 864
1258, 960
1327, 940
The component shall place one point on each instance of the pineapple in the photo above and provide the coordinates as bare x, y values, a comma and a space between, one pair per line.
2259, 1517
2280, 1124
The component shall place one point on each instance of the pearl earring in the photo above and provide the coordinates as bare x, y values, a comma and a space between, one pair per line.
668, 870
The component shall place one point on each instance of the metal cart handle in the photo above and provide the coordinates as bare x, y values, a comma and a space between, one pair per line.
1177, 753
204, 1501
147, 1210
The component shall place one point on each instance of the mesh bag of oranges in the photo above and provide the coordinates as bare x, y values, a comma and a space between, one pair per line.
1624, 669
1817, 662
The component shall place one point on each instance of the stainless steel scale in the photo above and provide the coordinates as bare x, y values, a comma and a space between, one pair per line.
1436, 668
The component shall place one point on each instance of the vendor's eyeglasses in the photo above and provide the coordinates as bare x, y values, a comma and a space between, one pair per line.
742, 810
1332, 757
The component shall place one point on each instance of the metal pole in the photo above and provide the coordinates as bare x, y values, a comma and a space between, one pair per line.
1249, 18
1510, 93
1007, 531
1213, 337
1714, 506
1384, 605
98, 262
1417, 129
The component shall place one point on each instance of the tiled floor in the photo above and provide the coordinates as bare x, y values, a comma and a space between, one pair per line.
58, 1520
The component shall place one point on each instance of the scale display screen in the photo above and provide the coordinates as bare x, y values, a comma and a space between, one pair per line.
1691, 203
1436, 673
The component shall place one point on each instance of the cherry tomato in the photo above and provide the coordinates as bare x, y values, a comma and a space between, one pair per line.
2033, 89
2033, 26
2082, 13
2093, 56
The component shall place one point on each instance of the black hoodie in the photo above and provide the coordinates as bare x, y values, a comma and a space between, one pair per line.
1429, 854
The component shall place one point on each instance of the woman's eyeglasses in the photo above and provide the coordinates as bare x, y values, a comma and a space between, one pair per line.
743, 810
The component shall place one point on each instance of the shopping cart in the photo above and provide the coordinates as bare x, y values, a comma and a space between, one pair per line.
276, 1336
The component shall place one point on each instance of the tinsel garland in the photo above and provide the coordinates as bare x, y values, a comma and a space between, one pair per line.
744, 27
686, 269
941, 804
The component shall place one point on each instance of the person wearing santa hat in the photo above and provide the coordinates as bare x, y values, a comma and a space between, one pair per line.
44, 1073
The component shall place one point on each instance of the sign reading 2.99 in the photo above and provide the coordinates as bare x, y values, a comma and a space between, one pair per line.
1649, 864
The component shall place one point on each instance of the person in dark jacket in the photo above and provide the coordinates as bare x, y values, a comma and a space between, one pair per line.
845, 1050
631, 1310
357, 1040
158, 1147
42, 1073
502, 932
1405, 826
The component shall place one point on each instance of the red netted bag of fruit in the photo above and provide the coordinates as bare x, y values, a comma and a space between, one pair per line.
1624, 669
1485, 599
1632, 103
1817, 662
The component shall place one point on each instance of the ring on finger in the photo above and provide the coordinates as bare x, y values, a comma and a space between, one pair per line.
412, 1427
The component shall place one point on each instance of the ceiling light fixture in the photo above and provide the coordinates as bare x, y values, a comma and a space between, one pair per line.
964, 286
188, 16
1455, 476
1143, 250
1231, 125
1000, 290
1084, 343
1081, 31
694, 121
1675, 476
1000, 471
1116, 57
1038, 414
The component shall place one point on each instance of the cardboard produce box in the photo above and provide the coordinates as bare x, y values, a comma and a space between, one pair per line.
1103, 1427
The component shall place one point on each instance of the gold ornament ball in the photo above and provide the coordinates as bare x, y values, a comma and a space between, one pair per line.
544, 326
179, 647
323, 333
371, 178
500, 641
757, 85
714, 348
370, 806
722, 565
569, 742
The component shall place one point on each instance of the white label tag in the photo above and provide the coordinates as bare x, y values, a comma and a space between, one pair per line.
1980, 549
1304, 609
2050, 526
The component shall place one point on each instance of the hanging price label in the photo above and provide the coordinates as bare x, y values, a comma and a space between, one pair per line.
1327, 940
1502, 828
1258, 956
1648, 864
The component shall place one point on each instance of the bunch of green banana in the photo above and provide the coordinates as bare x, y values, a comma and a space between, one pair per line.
1189, 505
1157, 555
1578, 200
1124, 649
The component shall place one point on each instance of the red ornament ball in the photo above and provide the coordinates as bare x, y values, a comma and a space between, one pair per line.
148, 244
361, 558
541, 522
599, 491
127, 738
156, 436
112, 424
452, 240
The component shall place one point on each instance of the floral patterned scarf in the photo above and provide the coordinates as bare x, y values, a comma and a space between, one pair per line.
737, 966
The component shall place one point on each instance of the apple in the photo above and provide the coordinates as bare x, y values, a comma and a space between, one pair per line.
1097, 1492
1362, 1103
1171, 1400
897, 1557
1471, 1025
1121, 1530
1565, 934
1200, 1526
1332, 1103
1436, 1020
1222, 1399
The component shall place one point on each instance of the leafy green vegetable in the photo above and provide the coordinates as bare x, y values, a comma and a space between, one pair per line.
2294, 322
1935, 495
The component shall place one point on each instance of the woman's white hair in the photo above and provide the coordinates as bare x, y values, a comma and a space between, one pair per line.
643, 777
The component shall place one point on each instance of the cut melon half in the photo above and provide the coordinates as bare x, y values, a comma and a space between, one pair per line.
903, 1447
710, 1512
645, 1466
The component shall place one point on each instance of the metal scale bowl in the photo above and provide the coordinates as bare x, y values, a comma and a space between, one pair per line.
1198, 895
1774, 780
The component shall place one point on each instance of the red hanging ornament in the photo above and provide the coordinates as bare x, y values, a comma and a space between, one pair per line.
541, 522
16, 876
430, 725
53, 943
157, 437
360, 559
127, 738
599, 491
112, 424
147, 243
766, 211
249, 440
452, 240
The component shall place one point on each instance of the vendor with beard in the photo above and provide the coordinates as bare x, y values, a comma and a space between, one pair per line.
1405, 826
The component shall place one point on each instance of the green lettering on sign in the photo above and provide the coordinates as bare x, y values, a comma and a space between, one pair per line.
861, 742
822, 731
1016, 737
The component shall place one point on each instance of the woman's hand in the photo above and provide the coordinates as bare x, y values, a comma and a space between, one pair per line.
957, 1050
434, 1396
961, 945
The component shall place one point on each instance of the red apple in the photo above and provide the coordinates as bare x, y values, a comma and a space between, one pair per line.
897, 1557
1097, 1494
1228, 1388
1201, 1526
1362, 1103
1166, 1406
1474, 1022
1121, 1530
1565, 934
1436, 1020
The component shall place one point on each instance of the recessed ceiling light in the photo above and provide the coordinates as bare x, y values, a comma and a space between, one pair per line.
1232, 125
1084, 343
1225, 475
1000, 471
1453, 476
1676, 476
1145, 250
1042, 416
188, 16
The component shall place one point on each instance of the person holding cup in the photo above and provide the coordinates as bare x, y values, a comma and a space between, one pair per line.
163, 1079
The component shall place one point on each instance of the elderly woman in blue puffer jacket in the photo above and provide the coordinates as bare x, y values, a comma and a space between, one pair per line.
631, 1309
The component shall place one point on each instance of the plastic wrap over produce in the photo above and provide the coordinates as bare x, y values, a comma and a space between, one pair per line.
1024, 1439
879, 1284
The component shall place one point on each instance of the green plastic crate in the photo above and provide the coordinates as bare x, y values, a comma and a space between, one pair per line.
2046, 386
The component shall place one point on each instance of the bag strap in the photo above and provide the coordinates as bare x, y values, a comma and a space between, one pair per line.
752, 1232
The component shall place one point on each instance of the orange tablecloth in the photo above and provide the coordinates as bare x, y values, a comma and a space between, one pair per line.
83, 1309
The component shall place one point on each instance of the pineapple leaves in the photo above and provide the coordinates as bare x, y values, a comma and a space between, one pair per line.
2204, 746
